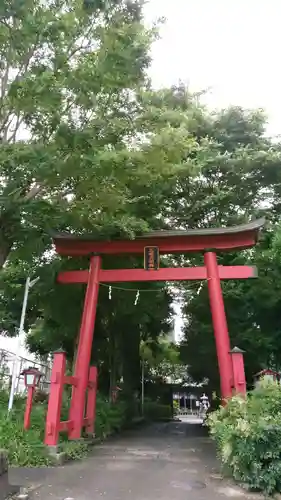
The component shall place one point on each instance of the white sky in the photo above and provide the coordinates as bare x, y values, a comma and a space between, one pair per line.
232, 46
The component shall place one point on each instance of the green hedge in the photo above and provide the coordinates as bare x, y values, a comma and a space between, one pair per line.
248, 436
156, 411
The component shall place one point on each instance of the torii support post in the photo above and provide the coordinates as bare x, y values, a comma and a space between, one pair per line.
91, 401
55, 399
58, 380
239, 378
219, 324
77, 407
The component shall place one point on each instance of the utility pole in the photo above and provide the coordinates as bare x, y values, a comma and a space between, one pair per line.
142, 387
28, 284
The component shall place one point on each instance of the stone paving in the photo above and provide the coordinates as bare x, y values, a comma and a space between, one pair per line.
171, 461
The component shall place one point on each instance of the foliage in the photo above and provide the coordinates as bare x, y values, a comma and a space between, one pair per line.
156, 411
74, 450
107, 155
87, 146
110, 417
241, 181
247, 433
176, 406
160, 356
26, 448
96, 147
252, 309
68, 83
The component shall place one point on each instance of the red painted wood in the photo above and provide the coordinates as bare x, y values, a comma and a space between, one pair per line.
65, 426
219, 324
66, 277
70, 380
28, 408
163, 274
84, 349
55, 399
239, 377
90, 418
175, 244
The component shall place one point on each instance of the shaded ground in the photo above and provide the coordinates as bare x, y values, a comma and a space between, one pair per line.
174, 461
6, 488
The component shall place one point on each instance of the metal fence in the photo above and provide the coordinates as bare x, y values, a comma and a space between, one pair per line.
186, 411
7, 360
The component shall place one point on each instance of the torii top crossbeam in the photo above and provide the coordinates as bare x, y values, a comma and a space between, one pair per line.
193, 240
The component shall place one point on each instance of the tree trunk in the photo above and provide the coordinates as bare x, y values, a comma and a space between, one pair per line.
112, 364
10, 224
131, 361
75, 350
5, 248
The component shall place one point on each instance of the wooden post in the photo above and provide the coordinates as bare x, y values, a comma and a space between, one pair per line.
239, 379
28, 408
77, 407
91, 400
55, 399
220, 324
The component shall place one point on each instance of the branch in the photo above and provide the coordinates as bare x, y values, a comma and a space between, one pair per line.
5, 128
18, 123
5, 120
81, 46
33, 192
4, 80
24, 67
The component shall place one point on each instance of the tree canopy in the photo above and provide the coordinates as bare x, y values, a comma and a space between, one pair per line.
88, 146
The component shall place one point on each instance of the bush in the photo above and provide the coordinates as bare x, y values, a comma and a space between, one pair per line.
74, 450
157, 411
109, 418
26, 448
248, 437
176, 407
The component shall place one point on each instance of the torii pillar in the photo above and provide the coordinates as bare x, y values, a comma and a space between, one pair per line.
219, 324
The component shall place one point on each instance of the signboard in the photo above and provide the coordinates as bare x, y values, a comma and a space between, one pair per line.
151, 258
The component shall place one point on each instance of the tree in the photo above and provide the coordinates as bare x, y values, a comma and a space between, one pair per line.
239, 180
161, 356
81, 147
252, 310
161, 161
154, 162
68, 77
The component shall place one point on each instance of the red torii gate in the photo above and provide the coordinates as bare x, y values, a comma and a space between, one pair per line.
207, 241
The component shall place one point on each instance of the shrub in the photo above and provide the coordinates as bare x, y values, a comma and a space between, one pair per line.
26, 448
156, 411
109, 418
176, 407
248, 437
74, 450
